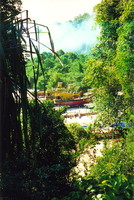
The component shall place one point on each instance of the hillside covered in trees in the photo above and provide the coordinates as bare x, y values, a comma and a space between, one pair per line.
70, 70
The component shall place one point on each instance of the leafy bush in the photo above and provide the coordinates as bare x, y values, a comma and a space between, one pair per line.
111, 177
42, 173
114, 172
80, 135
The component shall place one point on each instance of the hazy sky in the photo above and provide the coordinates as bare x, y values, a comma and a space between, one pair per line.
65, 36
48, 11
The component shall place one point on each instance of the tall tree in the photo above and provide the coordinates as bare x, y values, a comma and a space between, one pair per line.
107, 63
124, 59
13, 79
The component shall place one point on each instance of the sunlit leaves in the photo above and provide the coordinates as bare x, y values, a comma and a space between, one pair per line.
111, 69
128, 11
125, 61
95, 73
72, 70
108, 8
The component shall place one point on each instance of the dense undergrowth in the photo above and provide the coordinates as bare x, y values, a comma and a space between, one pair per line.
45, 173
112, 175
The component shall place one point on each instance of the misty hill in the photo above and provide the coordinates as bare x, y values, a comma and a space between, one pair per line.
78, 35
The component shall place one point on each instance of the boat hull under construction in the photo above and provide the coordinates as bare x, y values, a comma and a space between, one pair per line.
72, 102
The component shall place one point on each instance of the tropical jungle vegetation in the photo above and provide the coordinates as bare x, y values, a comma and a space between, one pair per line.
37, 150
70, 70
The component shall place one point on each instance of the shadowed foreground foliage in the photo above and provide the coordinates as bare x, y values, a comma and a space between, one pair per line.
35, 145
44, 172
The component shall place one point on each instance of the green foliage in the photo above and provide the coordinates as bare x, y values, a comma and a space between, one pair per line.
107, 11
77, 131
70, 72
45, 173
82, 136
114, 172
124, 62
80, 19
111, 177
13, 83
110, 74
110, 65
36, 147
50, 129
